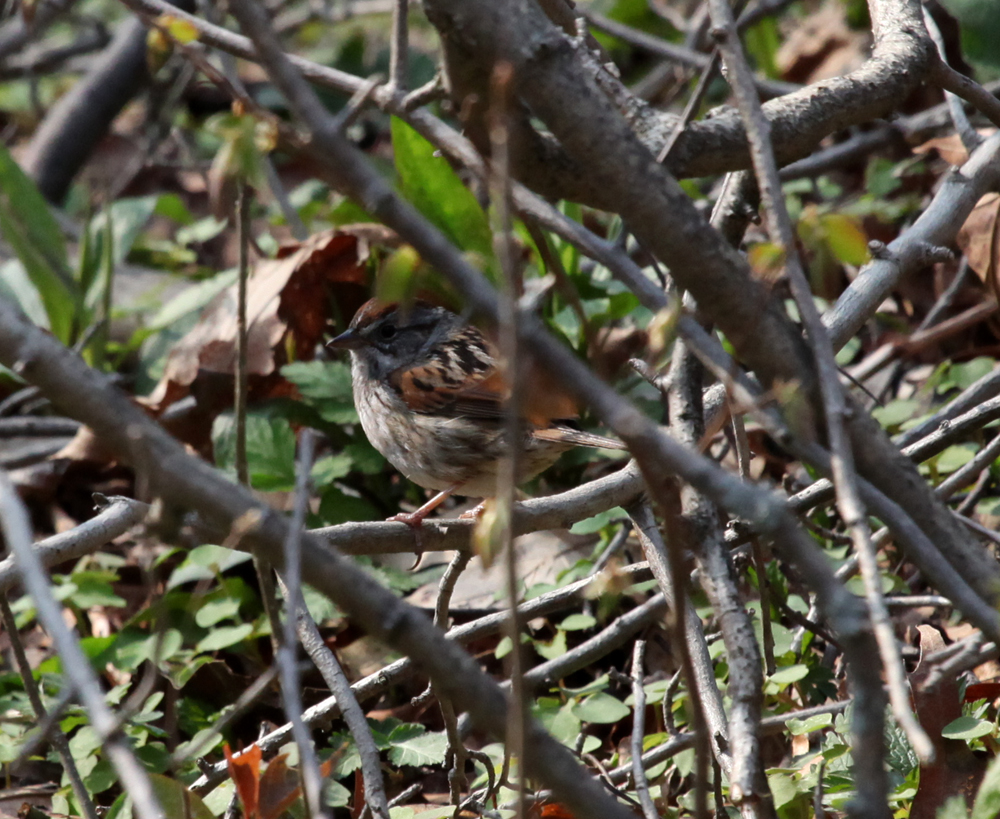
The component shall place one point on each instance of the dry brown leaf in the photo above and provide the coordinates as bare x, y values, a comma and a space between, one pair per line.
949, 148
290, 299
956, 769
821, 46
979, 241
244, 770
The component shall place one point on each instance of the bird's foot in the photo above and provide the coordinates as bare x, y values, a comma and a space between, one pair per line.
475, 513
415, 520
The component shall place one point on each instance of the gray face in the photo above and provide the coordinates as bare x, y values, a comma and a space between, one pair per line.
401, 338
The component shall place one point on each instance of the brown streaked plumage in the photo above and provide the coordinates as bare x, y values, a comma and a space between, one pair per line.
432, 400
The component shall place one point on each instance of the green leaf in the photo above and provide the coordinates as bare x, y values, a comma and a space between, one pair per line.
270, 450
336, 507
34, 235
93, 588
128, 217
204, 563
224, 637
987, 804
556, 647
413, 745
436, 191
798, 727
955, 457
598, 522
17, 288
846, 238
578, 622
327, 470
954, 808
216, 610
335, 795
967, 728
601, 708
896, 412
325, 386
789, 674
176, 800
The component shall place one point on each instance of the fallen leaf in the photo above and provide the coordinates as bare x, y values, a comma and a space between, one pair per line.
821, 46
949, 148
279, 788
244, 770
978, 240
290, 301
955, 769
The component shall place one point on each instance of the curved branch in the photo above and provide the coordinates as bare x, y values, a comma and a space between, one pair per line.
117, 517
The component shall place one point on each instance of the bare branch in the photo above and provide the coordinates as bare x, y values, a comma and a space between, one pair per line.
17, 534
117, 516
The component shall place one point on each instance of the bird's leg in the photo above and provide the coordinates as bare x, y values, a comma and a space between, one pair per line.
415, 520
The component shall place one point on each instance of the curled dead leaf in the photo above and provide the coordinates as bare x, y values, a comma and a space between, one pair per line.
290, 300
978, 239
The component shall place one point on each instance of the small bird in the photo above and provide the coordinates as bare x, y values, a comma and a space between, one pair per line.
431, 399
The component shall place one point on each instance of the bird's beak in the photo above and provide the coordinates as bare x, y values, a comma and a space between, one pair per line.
348, 340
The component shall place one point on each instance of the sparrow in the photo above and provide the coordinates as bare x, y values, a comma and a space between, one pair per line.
431, 399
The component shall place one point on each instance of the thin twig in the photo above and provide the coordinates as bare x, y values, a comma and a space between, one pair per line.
457, 780
970, 139
638, 731
500, 196
871, 782
55, 735
132, 774
291, 693
240, 400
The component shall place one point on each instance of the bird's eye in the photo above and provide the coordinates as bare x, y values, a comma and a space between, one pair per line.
387, 331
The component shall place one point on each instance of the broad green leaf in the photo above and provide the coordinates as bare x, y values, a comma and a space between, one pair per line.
335, 795
224, 637
789, 674
176, 800
556, 647
967, 728
954, 807
328, 469
955, 457
798, 727
601, 708
987, 804
204, 562
896, 412
578, 622
846, 238
436, 191
17, 288
270, 450
413, 745
598, 522
192, 299
216, 610
783, 787
326, 386
30, 229
336, 507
